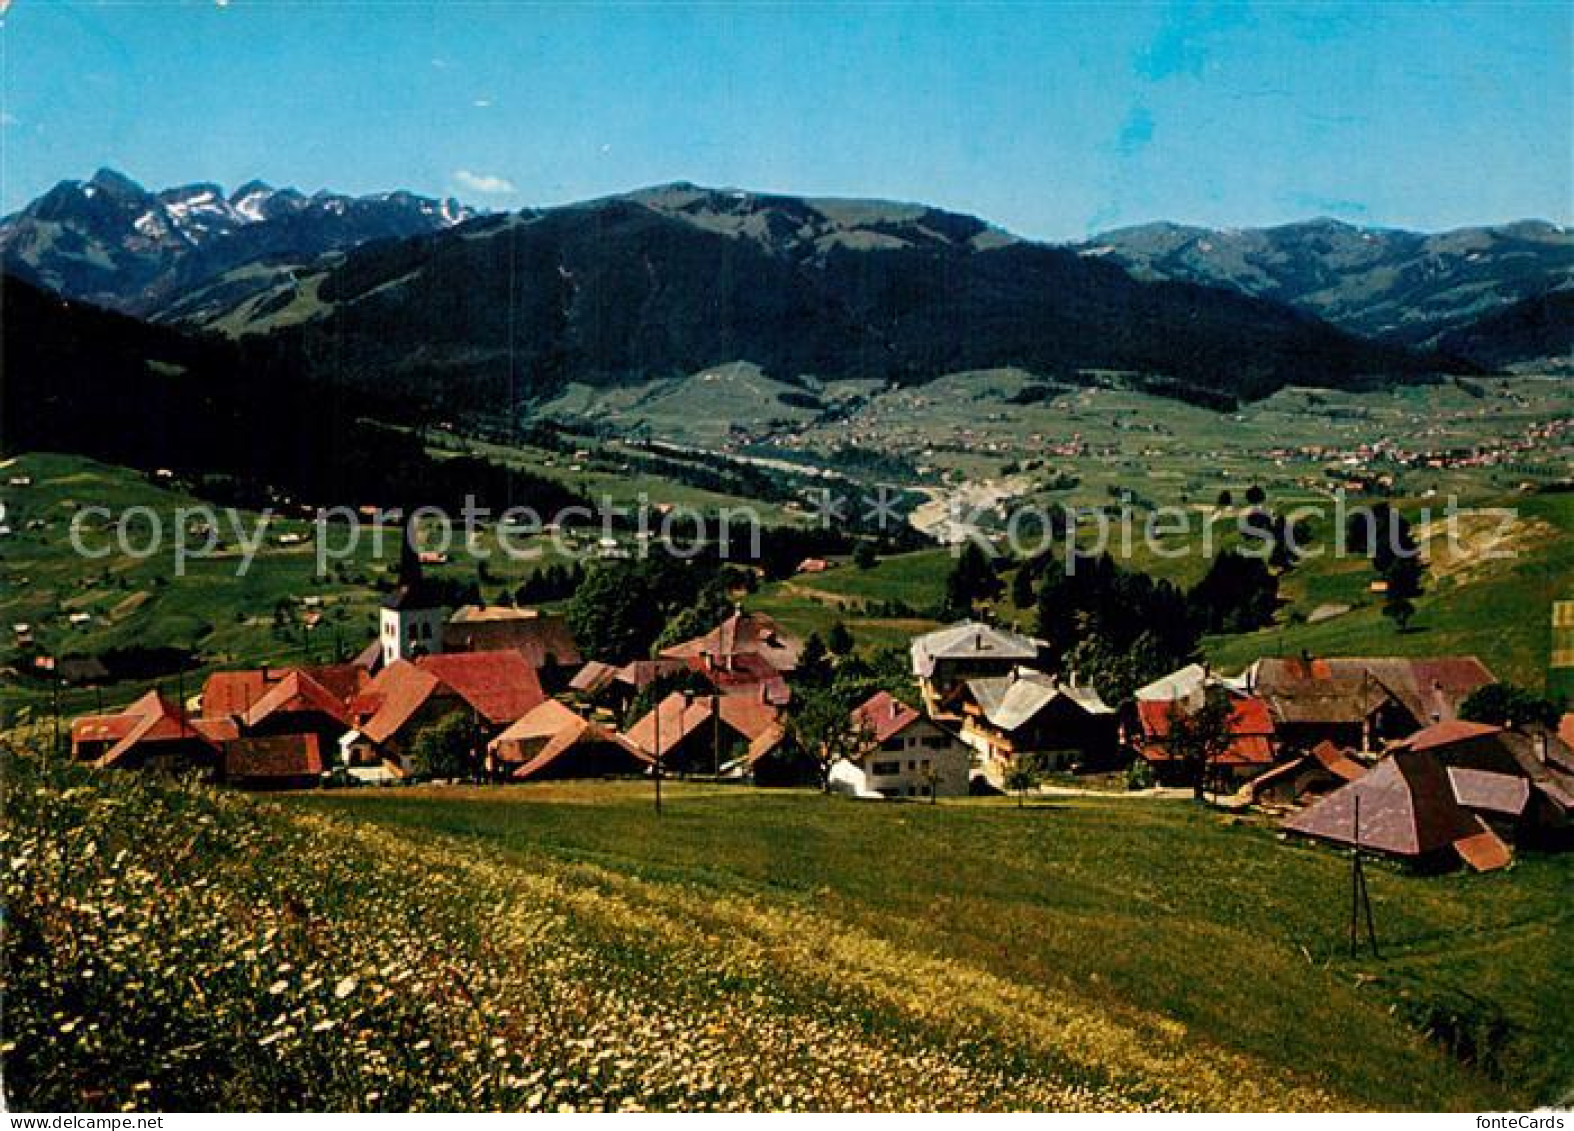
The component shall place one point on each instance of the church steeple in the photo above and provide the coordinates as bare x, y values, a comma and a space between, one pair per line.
412, 616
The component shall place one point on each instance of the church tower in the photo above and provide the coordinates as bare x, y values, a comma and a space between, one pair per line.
411, 619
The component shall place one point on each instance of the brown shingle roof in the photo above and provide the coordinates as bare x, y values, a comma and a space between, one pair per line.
740, 634
1407, 805
273, 756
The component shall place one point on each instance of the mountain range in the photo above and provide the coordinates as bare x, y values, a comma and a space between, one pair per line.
415, 305
665, 282
1408, 287
111, 242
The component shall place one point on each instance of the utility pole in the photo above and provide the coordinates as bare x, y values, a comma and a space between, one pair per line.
715, 733
54, 697
655, 769
1360, 899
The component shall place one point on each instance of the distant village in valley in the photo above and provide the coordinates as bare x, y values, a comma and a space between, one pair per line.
1429, 760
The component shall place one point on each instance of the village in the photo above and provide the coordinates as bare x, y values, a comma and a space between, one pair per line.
1371, 753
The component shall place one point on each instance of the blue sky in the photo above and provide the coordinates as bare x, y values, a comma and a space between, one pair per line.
1053, 120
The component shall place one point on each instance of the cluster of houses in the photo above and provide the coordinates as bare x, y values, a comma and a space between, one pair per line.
1317, 741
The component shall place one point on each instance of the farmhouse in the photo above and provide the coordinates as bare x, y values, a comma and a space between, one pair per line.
749, 647
551, 742
282, 761
1360, 702
494, 688
298, 706
945, 659
1318, 772
1251, 751
904, 755
1028, 713
1408, 810
1520, 781
689, 734
152, 733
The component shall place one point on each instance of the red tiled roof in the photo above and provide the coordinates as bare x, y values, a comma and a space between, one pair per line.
1566, 729
233, 693
298, 693
1337, 761
741, 634
593, 677
275, 756
501, 686
884, 715
343, 681
1251, 726
1447, 734
563, 730
392, 699
679, 716
156, 720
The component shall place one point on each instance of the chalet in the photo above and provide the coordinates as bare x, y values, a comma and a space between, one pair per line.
1252, 749
1520, 781
712, 734
1314, 774
552, 742
152, 733
498, 687
1028, 713
904, 755
395, 705
742, 634
298, 706
1407, 810
946, 659
1361, 702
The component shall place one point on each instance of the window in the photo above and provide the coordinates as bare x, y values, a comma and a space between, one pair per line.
885, 769
891, 744
937, 742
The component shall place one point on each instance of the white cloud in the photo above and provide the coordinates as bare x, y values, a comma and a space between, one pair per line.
485, 183
9, 119
482, 103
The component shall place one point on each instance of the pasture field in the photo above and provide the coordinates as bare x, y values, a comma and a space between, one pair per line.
562, 947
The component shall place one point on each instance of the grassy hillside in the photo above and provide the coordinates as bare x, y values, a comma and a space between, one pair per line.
131, 602
564, 948
1202, 938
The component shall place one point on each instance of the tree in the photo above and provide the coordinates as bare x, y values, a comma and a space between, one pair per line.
446, 748
839, 640
614, 613
1199, 738
971, 579
865, 556
1239, 593
814, 663
1509, 705
1022, 776
1255, 495
1399, 610
1225, 498
1023, 593
822, 725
